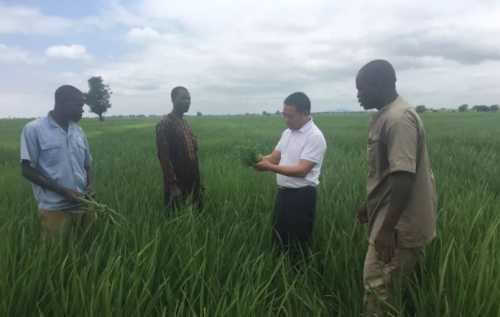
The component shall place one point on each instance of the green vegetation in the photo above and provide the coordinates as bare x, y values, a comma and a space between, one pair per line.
219, 263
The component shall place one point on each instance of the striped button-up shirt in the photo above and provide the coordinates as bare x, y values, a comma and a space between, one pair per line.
177, 152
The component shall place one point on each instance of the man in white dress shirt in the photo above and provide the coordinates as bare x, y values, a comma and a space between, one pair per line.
297, 163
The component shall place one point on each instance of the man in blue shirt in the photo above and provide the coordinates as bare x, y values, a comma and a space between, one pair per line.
55, 158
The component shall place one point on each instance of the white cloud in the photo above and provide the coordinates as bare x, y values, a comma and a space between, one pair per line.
76, 52
145, 34
252, 53
12, 54
26, 20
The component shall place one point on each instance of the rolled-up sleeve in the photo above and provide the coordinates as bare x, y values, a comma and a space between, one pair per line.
314, 149
88, 157
402, 143
29, 145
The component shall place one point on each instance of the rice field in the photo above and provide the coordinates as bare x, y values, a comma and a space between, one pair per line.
219, 263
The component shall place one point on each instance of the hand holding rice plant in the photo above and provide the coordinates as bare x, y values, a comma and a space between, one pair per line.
104, 212
249, 155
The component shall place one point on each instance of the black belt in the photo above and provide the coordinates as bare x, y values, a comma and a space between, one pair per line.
289, 189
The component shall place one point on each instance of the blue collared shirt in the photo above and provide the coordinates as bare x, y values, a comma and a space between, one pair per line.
59, 156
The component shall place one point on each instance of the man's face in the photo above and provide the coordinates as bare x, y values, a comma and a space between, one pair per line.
368, 95
73, 107
182, 101
293, 119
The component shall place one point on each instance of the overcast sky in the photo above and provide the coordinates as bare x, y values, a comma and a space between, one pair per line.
246, 56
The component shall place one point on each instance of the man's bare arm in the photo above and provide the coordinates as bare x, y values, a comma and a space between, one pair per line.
90, 183
299, 171
274, 158
36, 178
401, 187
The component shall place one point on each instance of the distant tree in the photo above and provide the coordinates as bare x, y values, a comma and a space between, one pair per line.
199, 114
264, 113
482, 108
463, 108
494, 108
278, 112
98, 96
420, 108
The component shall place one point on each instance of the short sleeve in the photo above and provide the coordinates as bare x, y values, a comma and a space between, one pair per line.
314, 149
278, 146
402, 143
88, 158
280, 142
29, 145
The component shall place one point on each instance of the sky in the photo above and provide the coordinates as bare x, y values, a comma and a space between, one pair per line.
244, 56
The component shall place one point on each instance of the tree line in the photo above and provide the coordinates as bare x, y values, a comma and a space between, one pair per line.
99, 95
463, 108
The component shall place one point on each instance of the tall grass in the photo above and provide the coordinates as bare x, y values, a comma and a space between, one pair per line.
219, 262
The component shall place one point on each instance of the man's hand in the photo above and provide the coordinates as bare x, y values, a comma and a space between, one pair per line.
385, 245
174, 190
71, 195
263, 165
89, 192
362, 215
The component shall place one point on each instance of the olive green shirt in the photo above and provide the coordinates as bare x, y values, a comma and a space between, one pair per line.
396, 143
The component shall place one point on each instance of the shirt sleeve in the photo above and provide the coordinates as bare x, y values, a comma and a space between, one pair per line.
162, 144
278, 146
280, 142
402, 142
88, 157
29, 145
314, 149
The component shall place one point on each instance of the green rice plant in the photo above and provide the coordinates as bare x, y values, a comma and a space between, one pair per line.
219, 263
104, 212
249, 154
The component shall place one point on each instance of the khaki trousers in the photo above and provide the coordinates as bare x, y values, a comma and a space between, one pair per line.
54, 223
384, 285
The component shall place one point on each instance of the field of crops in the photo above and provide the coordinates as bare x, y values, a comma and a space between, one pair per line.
220, 263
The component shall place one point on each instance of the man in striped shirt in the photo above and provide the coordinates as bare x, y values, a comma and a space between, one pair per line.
177, 152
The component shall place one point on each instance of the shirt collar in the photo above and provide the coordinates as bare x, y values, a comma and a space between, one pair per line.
52, 121
171, 115
55, 125
306, 126
384, 108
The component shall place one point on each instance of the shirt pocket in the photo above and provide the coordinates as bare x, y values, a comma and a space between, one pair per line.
51, 152
82, 150
372, 151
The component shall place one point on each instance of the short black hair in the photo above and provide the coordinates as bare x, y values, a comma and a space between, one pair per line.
379, 71
300, 101
175, 91
66, 92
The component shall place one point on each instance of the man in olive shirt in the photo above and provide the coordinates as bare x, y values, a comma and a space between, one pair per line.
401, 206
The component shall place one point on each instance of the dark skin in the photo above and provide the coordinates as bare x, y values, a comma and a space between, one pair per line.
376, 95
181, 103
66, 109
269, 163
